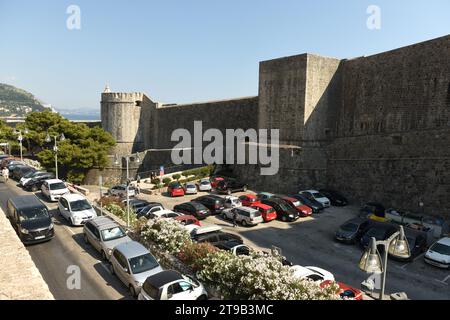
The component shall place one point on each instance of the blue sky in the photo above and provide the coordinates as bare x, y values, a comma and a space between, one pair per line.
185, 51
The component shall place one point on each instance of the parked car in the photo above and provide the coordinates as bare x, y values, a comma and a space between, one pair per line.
163, 214
229, 186
315, 206
149, 209
284, 211
190, 188
103, 233
76, 209
302, 209
335, 197
213, 235
31, 175
244, 215
21, 171
215, 181
315, 274
352, 230
30, 218
316, 195
133, 264
204, 185
372, 208
264, 195
193, 208
13, 164
175, 189
54, 189
379, 231
187, 220
121, 191
417, 242
345, 291
35, 184
136, 204
248, 200
267, 212
236, 248
232, 202
214, 203
439, 254
172, 285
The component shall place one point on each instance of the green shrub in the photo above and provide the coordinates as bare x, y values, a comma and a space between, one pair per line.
167, 180
156, 181
176, 176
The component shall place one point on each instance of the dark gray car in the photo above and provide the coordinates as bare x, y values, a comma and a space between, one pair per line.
352, 230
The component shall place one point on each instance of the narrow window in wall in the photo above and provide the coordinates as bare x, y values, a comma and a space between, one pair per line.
138, 103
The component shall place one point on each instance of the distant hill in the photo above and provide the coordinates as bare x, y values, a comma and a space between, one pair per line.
17, 102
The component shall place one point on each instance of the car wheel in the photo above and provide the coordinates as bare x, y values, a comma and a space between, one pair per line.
132, 291
111, 269
224, 216
85, 238
104, 255
34, 188
244, 188
283, 218
229, 191
244, 223
71, 221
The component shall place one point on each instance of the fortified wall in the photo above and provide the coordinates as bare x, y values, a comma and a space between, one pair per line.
376, 128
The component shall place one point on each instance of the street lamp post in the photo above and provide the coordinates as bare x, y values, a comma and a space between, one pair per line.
20, 139
370, 261
116, 162
48, 139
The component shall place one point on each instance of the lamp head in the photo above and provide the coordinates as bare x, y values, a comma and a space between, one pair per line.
137, 159
62, 137
370, 261
399, 247
47, 138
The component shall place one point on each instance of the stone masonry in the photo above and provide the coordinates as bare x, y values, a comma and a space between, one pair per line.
19, 276
375, 128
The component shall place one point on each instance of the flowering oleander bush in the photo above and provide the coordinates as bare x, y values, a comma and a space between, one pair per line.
167, 234
33, 163
258, 277
192, 254
121, 213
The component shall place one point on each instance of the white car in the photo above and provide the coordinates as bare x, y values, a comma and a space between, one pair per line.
316, 195
439, 254
31, 175
204, 185
163, 214
313, 273
121, 191
232, 202
172, 285
190, 188
76, 209
54, 189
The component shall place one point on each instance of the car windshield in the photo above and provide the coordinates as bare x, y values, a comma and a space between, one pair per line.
317, 195
143, 263
285, 207
350, 227
80, 205
151, 290
175, 186
255, 214
204, 183
441, 248
34, 214
377, 233
190, 186
296, 203
30, 174
57, 186
113, 233
315, 277
271, 210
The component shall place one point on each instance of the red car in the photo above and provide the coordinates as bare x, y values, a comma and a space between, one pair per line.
215, 181
345, 291
303, 210
188, 220
267, 212
249, 200
175, 189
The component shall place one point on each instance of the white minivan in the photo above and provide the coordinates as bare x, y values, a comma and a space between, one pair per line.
76, 209
54, 189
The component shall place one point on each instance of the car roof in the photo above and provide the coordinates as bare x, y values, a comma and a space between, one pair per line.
164, 277
74, 197
262, 206
357, 220
131, 249
51, 181
104, 222
248, 209
185, 217
310, 190
27, 201
191, 184
445, 241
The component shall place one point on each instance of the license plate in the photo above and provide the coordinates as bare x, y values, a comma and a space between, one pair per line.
40, 237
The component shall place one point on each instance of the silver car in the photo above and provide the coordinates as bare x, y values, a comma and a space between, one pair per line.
133, 264
244, 215
190, 188
103, 233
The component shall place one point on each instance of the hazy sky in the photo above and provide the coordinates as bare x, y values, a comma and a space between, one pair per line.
184, 51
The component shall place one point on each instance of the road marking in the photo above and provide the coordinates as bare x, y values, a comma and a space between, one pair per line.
446, 278
404, 266
419, 257
70, 230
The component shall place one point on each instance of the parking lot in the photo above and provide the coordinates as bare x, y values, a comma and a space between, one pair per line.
310, 242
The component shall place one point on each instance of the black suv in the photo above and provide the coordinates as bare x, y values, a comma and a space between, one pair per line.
336, 199
30, 218
216, 237
34, 184
21, 171
229, 186
214, 203
285, 212
315, 205
193, 208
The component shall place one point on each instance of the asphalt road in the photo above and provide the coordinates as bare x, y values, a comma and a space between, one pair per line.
55, 260
310, 242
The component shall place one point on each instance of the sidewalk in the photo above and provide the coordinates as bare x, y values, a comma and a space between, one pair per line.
19, 277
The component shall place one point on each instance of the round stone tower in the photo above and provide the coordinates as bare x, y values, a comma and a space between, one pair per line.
121, 116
